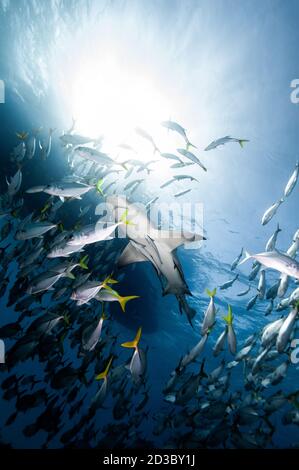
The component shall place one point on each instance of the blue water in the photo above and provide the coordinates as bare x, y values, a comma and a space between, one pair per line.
226, 69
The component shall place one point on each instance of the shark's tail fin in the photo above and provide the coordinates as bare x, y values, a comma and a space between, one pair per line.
134, 343
185, 307
103, 375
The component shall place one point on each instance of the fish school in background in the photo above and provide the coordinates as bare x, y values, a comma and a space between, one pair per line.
2, 92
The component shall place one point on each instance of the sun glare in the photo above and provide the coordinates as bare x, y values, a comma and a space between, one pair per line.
110, 101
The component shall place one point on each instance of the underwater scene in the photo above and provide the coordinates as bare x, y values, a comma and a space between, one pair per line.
149, 229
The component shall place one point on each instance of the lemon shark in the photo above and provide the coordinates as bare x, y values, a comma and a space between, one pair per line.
156, 246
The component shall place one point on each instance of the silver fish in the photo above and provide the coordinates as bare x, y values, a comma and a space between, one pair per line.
270, 332
271, 243
224, 140
182, 193
76, 139
91, 335
292, 181
262, 284
219, 346
44, 282
231, 335
92, 234
64, 250
269, 213
174, 126
181, 165
84, 293
254, 272
252, 302
276, 260
229, 283
94, 155
45, 147
259, 359
192, 157
286, 330
283, 285
14, 184
63, 190
210, 314
171, 156
236, 261
146, 136
294, 296
292, 250
133, 183
276, 377
244, 292
31, 144
33, 229
195, 352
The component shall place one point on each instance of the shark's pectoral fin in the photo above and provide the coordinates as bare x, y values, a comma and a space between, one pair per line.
130, 255
176, 238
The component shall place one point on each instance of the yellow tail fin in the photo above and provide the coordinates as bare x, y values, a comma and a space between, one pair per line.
104, 374
124, 218
99, 186
242, 142
188, 145
229, 318
104, 316
83, 262
211, 293
22, 135
134, 343
123, 300
110, 280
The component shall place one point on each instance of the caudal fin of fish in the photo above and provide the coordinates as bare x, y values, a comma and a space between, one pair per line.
229, 318
211, 293
242, 142
22, 135
246, 258
69, 275
124, 218
98, 186
83, 262
123, 300
103, 375
188, 145
134, 343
